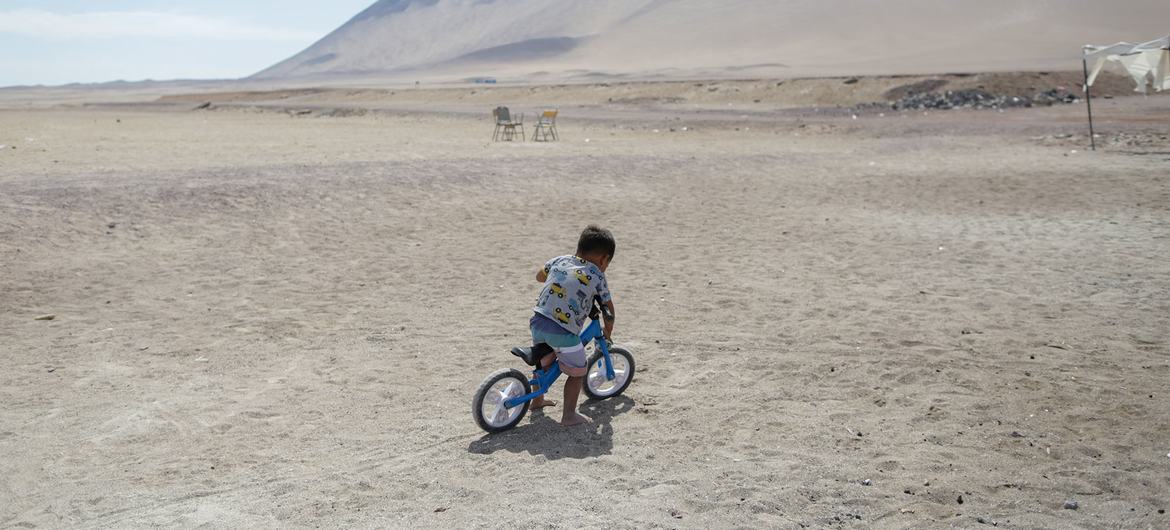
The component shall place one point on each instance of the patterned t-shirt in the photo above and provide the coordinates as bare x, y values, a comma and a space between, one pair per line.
568, 292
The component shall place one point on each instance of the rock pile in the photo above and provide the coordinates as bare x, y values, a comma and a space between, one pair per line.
975, 98
1054, 96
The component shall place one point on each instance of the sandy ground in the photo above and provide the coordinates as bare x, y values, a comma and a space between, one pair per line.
370, 94
265, 320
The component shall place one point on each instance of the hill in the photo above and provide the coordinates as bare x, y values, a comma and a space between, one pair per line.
730, 38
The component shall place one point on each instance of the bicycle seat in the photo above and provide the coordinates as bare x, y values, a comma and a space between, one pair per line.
533, 355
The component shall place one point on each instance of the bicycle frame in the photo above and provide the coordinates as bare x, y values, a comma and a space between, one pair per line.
545, 378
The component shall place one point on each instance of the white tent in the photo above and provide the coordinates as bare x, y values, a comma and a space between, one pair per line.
1147, 63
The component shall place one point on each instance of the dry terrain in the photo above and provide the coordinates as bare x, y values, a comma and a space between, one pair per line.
272, 312
556, 40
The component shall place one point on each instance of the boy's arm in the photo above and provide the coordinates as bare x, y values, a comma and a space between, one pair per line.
608, 327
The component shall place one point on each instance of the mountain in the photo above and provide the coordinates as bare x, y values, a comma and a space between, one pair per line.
650, 38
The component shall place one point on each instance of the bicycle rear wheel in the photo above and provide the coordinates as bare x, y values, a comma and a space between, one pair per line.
487, 405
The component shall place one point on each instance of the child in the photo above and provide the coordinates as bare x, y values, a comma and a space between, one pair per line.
570, 284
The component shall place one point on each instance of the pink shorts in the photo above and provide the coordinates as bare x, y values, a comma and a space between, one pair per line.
572, 360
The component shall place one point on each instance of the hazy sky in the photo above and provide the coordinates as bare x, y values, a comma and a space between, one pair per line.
63, 41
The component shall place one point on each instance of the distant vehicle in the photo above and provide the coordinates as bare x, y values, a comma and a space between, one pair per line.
484, 80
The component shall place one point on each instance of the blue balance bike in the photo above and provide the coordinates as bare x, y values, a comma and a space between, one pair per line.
501, 401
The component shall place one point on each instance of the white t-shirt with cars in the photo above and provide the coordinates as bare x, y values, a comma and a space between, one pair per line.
568, 292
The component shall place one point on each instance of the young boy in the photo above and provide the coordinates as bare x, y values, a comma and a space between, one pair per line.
570, 284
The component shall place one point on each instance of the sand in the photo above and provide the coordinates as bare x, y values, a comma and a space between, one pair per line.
275, 320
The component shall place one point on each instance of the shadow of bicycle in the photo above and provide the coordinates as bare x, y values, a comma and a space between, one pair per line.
543, 435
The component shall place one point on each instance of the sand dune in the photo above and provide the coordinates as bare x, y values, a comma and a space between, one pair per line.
400, 34
450, 38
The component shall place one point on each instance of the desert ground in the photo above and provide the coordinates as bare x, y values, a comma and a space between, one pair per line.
273, 311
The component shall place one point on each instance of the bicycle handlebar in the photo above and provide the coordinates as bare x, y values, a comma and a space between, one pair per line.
600, 308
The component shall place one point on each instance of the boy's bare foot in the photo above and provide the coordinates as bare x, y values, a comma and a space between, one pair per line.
572, 418
540, 403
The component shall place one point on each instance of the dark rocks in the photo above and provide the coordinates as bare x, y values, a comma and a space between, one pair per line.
1055, 96
1071, 505
972, 98
951, 99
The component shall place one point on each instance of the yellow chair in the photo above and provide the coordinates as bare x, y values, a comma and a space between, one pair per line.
546, 127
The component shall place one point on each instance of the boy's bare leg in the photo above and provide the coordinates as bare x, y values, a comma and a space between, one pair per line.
539, 402
572, 392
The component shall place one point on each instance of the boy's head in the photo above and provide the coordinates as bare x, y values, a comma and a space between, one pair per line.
597, 246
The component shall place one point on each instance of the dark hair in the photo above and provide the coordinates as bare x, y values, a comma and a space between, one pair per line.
596, 239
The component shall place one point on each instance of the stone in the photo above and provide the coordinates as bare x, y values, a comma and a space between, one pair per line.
1071, 505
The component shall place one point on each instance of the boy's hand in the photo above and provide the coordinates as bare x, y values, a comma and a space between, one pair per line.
541, 275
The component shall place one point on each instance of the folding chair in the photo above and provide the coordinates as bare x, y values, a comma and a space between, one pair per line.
546, 127
506, 126
500, 116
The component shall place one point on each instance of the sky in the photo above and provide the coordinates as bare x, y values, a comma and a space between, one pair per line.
55, 42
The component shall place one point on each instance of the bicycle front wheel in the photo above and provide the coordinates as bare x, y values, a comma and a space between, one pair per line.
598, 385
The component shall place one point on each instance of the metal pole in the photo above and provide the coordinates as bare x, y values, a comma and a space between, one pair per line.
1089, 104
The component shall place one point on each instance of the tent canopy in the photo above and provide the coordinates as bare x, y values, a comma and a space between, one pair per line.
1147, 63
